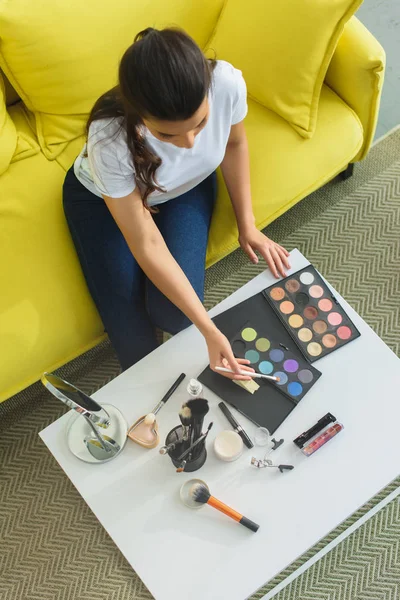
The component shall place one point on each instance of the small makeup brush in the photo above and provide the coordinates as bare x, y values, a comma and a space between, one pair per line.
167, 449
248, 374
200, 493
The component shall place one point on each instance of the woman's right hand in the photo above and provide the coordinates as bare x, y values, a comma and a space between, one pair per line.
221, 355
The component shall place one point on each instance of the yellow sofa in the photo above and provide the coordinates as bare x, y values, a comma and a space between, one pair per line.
58, 63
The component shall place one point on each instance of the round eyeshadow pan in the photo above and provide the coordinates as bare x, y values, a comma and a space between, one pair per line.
283, 378
306, 278
314, 349
291, 365
302, 299
265, 367
310, 313
305, 334
325, 305
277, 293
305, 376
252, 356
286, 307
344, 332
295, 388
320, 326
295, 321
329, 340
292, 286
276, 355
262, 344
335, 318
316, 291
239, 348
249, 334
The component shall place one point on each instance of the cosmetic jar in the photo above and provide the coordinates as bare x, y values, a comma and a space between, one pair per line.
228, 446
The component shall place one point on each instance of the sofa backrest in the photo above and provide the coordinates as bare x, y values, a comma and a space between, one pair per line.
60, 56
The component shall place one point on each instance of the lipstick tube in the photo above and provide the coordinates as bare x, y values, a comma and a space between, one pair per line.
321, 439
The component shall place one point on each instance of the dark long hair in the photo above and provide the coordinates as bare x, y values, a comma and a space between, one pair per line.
164, 75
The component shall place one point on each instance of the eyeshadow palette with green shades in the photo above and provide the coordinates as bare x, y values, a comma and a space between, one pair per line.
312, 315
269, 357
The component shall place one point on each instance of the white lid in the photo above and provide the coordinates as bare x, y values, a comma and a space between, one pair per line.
228, 445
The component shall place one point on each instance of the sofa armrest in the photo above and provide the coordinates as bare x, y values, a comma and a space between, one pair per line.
356, 75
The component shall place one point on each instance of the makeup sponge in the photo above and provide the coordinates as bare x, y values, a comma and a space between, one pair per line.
149, 419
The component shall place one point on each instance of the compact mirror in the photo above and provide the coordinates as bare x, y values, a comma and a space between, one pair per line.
76, 399
85, 437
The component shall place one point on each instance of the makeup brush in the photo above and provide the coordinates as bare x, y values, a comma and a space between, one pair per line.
167, 449
185, 415
248, 373
198, 408
201, 494
190, 449
145, 430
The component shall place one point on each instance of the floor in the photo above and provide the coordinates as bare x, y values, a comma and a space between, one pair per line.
382, 18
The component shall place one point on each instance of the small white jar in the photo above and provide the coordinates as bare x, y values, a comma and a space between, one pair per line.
228, 446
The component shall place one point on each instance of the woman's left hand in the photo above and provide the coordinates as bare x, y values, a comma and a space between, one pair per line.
276, 257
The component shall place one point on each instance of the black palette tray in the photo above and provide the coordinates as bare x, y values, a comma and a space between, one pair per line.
268, 407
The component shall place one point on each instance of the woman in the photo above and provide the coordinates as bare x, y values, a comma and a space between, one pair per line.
140, 196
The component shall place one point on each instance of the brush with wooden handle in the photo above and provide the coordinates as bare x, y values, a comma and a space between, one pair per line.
200, 493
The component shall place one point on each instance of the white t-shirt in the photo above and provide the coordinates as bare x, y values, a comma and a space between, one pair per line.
108, 168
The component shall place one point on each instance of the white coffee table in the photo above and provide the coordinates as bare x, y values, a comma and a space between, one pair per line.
183, 554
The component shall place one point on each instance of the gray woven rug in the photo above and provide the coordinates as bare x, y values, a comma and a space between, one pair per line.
52, 546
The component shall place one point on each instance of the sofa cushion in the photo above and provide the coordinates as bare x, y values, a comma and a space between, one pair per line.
8, 133
61, 56
284, 50
286, 167
18, 140
47, 316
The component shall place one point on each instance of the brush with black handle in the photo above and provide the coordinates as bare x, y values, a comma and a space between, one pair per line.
198, 408
201, 494
236, 425
198, 443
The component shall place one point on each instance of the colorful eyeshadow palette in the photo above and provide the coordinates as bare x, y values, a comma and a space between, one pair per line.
268, 406
269, 357
312, 315
307, 309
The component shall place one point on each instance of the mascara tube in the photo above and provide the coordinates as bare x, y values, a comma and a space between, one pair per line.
236, 425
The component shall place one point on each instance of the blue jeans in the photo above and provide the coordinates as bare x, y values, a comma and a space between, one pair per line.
129, 305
